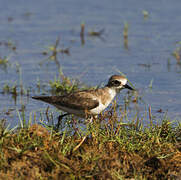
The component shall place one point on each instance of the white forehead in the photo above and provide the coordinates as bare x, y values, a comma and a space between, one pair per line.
122, 79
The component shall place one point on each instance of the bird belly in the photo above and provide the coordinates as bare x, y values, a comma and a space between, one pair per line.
98, 109
80, 113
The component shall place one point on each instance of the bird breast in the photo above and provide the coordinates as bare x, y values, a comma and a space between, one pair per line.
106, 95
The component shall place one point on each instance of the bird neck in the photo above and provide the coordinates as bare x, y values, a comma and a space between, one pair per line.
112, 91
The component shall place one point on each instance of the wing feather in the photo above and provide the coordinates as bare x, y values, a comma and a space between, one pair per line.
79, 100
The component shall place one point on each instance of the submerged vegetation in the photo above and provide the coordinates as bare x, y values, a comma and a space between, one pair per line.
63, 84
177, 54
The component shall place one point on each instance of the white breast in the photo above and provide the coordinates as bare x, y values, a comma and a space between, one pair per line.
98, 109
112, 93
101, 107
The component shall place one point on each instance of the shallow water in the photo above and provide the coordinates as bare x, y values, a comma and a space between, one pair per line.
33, 26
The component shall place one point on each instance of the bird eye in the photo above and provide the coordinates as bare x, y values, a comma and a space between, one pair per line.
117, 83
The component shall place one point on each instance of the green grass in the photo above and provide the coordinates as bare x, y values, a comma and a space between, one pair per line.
112, 148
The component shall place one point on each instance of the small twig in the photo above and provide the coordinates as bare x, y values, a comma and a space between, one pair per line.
74, 126
47, 114
96, 33
83, 139
150, 115
82, 33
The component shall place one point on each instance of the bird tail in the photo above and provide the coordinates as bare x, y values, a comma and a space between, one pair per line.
47, 99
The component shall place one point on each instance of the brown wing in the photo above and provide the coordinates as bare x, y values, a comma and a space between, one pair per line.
79, 100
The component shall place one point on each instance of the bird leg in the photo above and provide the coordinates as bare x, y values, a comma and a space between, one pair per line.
89, 119
60, 118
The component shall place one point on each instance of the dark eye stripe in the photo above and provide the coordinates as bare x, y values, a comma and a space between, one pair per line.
116, 82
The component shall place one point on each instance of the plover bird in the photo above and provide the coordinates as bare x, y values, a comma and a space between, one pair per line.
88, 103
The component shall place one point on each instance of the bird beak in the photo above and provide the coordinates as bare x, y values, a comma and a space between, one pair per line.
128, 87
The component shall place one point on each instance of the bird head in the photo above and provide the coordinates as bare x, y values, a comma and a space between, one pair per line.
118, 83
